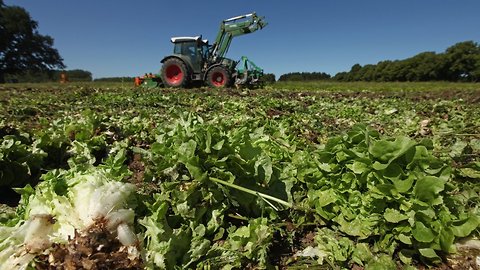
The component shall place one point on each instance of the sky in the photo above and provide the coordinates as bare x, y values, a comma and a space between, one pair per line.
113, 38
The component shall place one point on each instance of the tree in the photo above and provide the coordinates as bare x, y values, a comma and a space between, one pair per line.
304, 76
462, 60
268, 78
476, 70
22, 48
78, 75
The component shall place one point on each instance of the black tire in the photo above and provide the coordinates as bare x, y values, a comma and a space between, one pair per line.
175, 73
219, 77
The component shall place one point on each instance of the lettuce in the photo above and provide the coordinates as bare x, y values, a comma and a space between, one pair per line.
64, 204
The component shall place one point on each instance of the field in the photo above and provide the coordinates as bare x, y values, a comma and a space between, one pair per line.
322, 174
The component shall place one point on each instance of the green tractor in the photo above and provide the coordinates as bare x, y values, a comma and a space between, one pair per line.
194, 60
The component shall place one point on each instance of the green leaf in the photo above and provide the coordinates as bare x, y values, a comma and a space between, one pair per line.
325, 197
422, 233
470, 173
249, 152
218, 146
362, 253
253, 240
361, 226
187, 149
324, 167
406, 256
394, 216
420, 157
429, 253
383, 262
457, 148
405, 239
393, 171
387, 151
466, 227
358, 167
404, 186
263, 168
446, 240
427, 188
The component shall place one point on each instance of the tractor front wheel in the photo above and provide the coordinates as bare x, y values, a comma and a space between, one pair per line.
174, 73
219, 77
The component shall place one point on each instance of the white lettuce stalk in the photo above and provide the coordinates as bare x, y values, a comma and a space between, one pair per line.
20, 244
52, 218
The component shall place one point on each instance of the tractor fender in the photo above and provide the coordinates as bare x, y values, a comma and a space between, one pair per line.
168, 57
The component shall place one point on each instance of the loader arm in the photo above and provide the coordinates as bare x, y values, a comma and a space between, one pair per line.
233, 27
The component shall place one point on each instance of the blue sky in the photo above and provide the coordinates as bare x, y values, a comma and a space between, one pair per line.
128, 38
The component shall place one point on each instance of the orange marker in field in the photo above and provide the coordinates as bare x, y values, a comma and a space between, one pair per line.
63, 77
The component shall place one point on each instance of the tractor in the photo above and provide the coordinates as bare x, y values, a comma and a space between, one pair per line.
195, 61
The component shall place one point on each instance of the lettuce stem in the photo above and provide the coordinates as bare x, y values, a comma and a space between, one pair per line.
252, 192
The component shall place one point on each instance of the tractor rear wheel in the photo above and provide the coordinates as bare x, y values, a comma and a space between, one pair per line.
219, 77
174, 73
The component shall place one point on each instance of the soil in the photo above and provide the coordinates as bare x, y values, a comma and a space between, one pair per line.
465, 258
138, 169
283, 250
94, 249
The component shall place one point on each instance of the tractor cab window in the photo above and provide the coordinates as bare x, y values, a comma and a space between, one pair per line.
185, 48
191, 53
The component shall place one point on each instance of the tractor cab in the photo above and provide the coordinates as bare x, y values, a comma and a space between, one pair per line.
192, 50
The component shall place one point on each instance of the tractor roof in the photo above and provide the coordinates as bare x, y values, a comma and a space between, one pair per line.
185, 39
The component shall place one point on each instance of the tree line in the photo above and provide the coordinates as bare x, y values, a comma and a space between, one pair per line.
115, 79
460, 62
32, 76
304, 76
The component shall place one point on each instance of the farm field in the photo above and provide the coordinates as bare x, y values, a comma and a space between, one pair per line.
318, 174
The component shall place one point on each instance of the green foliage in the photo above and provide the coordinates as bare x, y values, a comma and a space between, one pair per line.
391, 190
460, 62
304, 76
115, 79
256, 179
268, 78
22, 48
31, 76
20, 161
